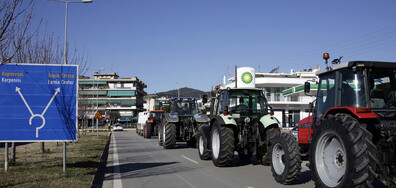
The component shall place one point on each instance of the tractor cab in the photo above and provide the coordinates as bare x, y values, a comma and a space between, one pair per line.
184, 106
245, 102
360, 87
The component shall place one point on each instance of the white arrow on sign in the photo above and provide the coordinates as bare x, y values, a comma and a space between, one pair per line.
17, 89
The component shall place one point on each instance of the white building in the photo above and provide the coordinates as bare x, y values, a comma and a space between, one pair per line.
280, 89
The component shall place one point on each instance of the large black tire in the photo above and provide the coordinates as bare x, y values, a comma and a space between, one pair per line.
203, 151
262, 150
160, 134
169, 136
222, 145
342, 153
285, 158
148, 130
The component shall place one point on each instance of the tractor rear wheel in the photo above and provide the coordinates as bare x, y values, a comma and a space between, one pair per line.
169, 136
342, 153
223, 145
285, 158
203, 151
148, 130
159, 129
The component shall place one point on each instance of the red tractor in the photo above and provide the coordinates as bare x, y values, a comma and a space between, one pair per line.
354, 124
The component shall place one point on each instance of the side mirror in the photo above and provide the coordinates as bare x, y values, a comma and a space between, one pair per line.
204, 99
307, 87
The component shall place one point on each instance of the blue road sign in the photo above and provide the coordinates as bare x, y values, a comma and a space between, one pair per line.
38, 102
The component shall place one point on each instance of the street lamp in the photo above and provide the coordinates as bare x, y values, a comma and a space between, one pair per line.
67, 2
97, 102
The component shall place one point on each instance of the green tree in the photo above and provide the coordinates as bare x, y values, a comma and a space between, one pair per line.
114, 115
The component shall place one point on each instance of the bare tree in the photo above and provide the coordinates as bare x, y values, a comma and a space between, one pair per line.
84, 108
14, 26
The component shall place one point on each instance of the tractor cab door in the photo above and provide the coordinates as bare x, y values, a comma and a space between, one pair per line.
326, 95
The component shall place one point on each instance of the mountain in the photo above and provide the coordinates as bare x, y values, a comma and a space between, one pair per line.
184, 92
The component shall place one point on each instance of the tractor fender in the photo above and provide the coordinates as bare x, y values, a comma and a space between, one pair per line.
201, 118
368, 114
171, 118
226, 120
268, 120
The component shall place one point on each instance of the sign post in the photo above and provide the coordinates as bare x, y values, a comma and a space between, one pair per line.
40, 102
6, 157
97, 117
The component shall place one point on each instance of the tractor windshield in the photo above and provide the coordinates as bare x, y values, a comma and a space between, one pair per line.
184, 106
247, 102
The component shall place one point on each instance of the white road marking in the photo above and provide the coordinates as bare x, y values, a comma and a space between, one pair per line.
185, 181
117, 181
189, 159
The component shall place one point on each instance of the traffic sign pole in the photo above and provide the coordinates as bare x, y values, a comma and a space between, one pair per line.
6, 157
64, 156
97, 128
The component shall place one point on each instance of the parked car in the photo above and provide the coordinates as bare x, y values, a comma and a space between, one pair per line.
118, 127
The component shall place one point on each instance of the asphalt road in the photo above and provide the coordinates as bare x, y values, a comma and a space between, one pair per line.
138, 162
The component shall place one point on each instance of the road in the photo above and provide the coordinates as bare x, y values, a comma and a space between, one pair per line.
138, 162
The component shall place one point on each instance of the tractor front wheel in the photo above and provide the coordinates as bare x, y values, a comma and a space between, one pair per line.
285, 158
262, 150
223, 145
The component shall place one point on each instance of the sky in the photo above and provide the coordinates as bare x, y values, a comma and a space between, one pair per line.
169, 44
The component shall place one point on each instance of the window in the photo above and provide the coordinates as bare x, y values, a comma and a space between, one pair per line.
382, 88
325, 99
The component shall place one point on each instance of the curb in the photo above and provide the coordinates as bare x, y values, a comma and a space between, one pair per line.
101, 170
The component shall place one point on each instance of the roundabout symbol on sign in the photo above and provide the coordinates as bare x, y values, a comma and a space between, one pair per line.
17, 89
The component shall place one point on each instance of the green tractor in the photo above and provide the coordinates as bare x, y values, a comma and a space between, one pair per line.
240, 120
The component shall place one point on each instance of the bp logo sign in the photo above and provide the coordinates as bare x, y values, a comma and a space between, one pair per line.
247, 77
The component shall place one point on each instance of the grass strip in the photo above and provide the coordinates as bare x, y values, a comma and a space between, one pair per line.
36, 169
